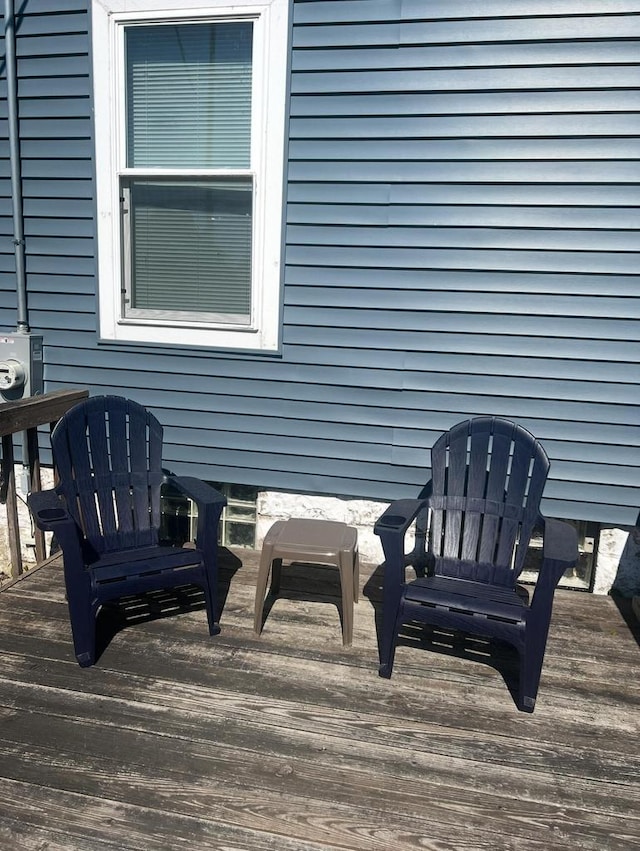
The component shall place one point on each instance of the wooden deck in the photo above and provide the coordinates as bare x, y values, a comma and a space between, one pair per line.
290, 742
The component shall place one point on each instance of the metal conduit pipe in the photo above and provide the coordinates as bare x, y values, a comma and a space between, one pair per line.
22, 317
22, 323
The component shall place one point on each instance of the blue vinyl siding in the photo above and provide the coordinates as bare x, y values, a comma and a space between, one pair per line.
463, 210
461, 239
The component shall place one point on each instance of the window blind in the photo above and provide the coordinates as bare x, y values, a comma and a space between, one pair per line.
188, 90
191, 247
189, 95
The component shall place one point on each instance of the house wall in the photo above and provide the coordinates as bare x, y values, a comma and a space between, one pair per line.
461, 240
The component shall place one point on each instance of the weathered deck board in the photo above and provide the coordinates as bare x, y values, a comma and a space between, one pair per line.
292, 742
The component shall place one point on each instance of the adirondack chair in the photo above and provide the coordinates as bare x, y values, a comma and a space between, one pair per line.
105, 514
473, 524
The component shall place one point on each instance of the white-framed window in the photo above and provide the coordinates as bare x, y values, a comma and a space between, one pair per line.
190, 142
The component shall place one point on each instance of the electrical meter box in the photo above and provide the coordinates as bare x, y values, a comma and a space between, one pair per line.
20, 366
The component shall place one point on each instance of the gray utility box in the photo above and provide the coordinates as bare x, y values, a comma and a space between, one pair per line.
20, 365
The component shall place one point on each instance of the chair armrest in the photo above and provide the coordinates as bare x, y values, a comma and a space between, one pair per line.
210, 503
559, 553
399, 516
391, 528
560, 542
197, 490
50, 514
48, 510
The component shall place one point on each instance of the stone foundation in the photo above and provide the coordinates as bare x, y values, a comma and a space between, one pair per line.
618, 561
27, 544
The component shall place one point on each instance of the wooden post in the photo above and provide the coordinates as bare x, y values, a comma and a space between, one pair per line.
12, 505
35, 485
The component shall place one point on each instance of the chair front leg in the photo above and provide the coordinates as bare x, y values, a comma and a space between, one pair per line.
211, 605
390, 627
531, 661
392, 592
83, 610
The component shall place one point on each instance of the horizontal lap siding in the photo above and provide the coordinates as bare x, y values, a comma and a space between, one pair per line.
56, 148
461, 239
463, 223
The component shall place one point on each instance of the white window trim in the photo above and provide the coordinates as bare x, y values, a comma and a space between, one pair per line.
271, 19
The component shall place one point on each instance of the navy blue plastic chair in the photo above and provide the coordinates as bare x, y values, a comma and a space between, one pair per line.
105, 514
473, 524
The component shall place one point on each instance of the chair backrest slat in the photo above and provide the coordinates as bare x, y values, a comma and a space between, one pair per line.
476, 485
96, 435
75, 470
456, 477
138, 462
119, 454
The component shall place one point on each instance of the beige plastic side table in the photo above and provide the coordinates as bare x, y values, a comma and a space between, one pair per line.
314, 542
